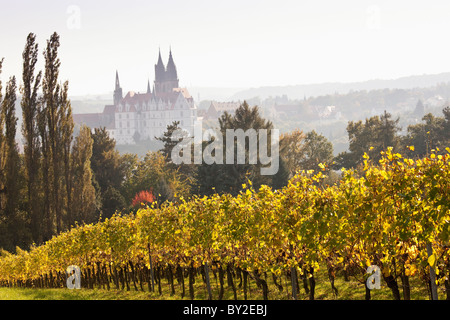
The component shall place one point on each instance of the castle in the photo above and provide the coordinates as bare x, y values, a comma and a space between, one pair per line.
141, 116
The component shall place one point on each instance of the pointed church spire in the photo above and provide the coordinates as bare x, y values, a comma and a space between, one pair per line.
160, 59
117, 80
148, 86
117, 91
160, 70
170, 57
171, 73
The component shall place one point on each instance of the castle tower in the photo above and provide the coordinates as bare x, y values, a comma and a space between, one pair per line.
160, 74
171, 74
117, 91
165, 78
148, 87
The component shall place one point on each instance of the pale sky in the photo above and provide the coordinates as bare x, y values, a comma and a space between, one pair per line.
230, 43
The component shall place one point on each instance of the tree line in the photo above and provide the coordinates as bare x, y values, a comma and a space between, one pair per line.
377, 133
49, 186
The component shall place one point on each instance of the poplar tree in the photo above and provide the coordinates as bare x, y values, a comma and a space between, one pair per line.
2, 139
13, 233
84, 198
66, 131
48, 220
4, 236
11, 152
30, 131
58, 122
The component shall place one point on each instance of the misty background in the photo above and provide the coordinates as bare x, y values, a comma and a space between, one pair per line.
308, 65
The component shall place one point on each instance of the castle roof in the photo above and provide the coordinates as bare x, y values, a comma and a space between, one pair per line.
134, 99
109, 109
184, 92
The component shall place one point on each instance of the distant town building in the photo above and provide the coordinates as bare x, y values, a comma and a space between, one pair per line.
141, 116
216, 109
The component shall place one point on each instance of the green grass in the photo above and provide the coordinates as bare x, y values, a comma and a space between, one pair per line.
348, 290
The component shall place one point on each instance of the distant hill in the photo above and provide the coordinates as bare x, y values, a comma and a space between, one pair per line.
314, 90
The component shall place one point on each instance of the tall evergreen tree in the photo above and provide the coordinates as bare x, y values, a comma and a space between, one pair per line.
106, 161
387, 132
109, 172
170, 138
174, 135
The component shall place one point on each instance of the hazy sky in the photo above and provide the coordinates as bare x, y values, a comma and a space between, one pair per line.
231, 43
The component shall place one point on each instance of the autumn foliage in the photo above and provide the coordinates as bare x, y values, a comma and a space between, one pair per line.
388, 215
143, 198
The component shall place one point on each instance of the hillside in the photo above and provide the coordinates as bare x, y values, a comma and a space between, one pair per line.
311, 90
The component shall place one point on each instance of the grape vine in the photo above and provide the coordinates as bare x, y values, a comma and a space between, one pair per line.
385, 214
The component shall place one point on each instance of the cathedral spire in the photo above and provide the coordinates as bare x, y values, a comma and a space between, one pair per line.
117, 91
160, 70
117, 80
171, 72
148, 86
166, 78
159, 58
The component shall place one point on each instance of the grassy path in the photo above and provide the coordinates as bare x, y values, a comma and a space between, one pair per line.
350, 290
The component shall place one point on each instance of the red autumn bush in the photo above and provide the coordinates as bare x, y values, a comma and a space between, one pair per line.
143, 197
